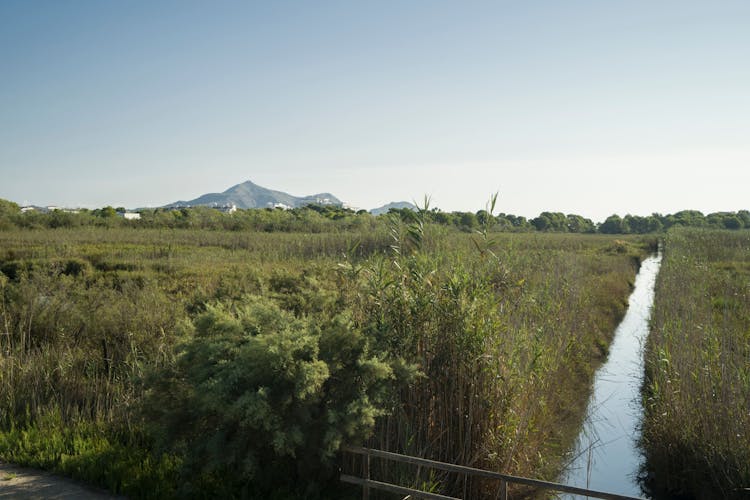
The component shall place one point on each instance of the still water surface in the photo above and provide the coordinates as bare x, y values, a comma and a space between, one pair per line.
606, 455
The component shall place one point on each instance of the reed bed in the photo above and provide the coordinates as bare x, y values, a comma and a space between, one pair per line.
507, 332
504, 330
696, 432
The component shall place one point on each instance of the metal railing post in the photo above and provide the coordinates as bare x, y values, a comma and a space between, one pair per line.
366, 489
503, 489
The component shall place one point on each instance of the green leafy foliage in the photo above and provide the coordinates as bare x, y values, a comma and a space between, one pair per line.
267, 398
8, 210
89, 451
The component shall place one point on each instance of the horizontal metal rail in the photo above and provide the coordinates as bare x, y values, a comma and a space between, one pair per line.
392, 488
471, 471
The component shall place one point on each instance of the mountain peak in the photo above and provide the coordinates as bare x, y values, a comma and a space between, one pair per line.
250, 195
394, 204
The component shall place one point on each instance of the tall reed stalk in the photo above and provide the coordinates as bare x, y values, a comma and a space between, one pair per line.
504, 341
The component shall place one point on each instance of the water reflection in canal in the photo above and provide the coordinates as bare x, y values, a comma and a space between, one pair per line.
606, 455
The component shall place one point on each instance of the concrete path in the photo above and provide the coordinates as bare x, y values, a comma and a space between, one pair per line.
27, 484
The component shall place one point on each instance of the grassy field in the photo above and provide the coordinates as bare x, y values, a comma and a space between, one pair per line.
471, 348
696, 433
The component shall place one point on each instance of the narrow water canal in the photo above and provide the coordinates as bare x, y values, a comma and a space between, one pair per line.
606, 455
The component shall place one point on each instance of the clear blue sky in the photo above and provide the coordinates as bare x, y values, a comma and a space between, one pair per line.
589, 107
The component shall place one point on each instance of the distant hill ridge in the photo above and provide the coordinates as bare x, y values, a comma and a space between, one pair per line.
250, 195
395, 204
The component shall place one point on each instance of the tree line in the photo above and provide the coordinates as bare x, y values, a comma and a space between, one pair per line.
327, 218
559, 222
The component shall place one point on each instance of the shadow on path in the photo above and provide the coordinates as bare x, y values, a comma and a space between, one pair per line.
23, 483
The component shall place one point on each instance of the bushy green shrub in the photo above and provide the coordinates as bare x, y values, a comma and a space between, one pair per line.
265, 398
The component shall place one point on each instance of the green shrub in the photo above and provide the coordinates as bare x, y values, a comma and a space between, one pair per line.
262, 398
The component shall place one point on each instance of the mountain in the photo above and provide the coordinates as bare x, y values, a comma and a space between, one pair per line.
395, 204
249, 195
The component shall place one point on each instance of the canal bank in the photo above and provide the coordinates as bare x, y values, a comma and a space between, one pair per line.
606, 456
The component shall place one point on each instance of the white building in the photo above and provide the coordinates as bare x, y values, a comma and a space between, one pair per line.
130, 215
227, 209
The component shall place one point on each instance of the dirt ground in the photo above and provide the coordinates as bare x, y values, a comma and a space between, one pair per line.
26, 484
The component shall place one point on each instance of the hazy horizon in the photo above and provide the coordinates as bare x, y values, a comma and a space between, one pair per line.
416, 201
579, 107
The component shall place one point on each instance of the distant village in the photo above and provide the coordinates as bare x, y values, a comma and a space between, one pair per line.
227, 208
128, 215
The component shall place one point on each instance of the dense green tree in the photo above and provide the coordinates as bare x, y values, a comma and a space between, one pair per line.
731, 222
551, 221
8, 210
614, 224
106, 212
334, 212
483, 217
654, 223
518, 222
690, 218
541, 223
724, 220
407, 215
468, 221
579, 224
58, 218
744, 216
267, 398
636, 224
503, 223
444, 218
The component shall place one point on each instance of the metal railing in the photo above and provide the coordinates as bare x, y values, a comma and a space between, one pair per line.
367, 483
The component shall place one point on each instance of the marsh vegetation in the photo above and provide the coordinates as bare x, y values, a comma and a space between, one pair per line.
696, 432
174, 360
